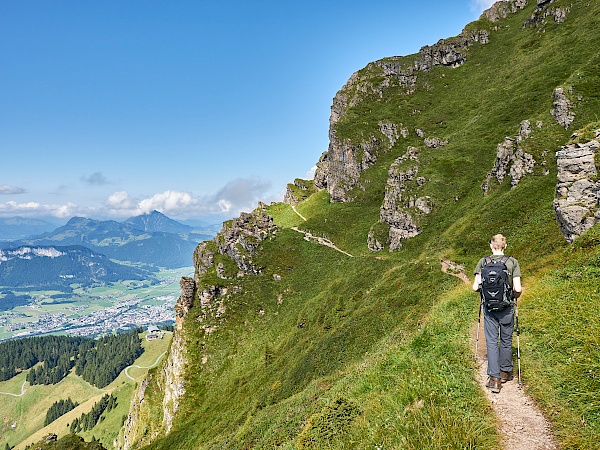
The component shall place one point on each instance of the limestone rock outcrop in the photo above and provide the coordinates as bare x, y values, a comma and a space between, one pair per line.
511, 159
577, 199
435, 142
239, 239
543, 10
561, 110
501, 9
339, 168
186, 299
298, 190
173, 373
401, 205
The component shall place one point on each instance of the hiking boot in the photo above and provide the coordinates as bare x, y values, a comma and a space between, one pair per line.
506, 376
494, 384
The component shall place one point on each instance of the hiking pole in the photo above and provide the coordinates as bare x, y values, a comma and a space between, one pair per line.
518, 332
478, 327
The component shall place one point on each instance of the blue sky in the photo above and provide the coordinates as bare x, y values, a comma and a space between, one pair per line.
196, 108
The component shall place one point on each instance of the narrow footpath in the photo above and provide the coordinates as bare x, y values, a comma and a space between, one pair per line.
143, 367
319, 240
521, 424
16, 395
296, 211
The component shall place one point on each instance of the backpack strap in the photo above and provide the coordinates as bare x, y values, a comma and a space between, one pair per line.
504, 259
486, 261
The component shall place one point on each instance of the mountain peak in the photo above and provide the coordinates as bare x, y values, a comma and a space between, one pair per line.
156, 221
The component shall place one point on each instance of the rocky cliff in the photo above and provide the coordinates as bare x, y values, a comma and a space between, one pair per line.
236, 243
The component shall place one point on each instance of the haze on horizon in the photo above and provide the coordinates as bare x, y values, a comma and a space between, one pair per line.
194, 109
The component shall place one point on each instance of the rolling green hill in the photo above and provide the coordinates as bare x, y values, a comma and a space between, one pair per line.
330, 324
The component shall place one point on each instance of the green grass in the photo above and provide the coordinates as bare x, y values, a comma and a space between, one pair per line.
373, 351
29, 411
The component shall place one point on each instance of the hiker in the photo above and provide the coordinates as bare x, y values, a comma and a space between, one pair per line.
498, 319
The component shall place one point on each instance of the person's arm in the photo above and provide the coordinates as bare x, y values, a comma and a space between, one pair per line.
517, 288
477, 282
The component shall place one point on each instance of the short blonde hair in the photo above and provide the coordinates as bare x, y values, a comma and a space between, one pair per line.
498, 242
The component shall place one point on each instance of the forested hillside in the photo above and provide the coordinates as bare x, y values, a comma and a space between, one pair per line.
327, 322
98, 361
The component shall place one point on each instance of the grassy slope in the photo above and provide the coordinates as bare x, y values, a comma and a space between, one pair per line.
29, 411
373, 351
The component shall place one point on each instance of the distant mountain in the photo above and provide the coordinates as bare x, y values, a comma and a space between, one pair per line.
214, 226
57, 267
156, 221
122, 241
20, 228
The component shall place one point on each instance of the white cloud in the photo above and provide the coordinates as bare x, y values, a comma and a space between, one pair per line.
310, 175
120, 201
5, 189
35, 209
174, 202
241, 194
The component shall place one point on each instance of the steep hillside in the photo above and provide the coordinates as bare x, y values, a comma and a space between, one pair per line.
327, 322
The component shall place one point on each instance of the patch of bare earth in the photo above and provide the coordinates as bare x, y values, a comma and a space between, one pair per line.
521, 424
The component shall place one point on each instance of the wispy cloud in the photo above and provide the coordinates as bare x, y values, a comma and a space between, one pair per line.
5, 189
240, 194
95, 179
35, 209
478, 6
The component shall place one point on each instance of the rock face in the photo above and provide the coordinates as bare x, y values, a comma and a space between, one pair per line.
339, 168
238, 238
501, 9
511, 159
561, 110
173, 374
298, 191
543, 11
130, 435
171, 379
401, 205
576, 204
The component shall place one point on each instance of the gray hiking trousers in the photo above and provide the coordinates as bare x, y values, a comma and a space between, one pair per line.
498, 327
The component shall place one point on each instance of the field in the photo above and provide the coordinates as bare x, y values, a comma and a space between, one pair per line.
23, 415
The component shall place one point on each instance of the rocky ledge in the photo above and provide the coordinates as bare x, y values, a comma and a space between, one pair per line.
577, 199
238, 239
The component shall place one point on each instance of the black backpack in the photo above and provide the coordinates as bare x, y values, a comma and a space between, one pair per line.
496, 292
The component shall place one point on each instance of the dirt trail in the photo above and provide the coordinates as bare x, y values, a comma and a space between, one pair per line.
17, 395
319, 240
521, 424
143, 367
296, 211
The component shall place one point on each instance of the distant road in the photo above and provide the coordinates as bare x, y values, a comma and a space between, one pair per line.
22, 391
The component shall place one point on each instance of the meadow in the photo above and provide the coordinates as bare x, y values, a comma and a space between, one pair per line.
23, 415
